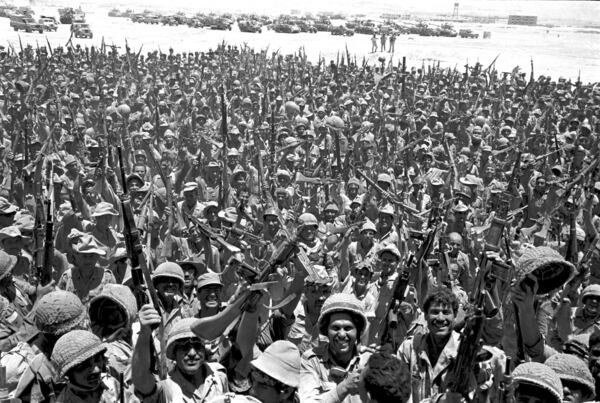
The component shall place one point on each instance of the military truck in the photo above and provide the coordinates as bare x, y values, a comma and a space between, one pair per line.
81, 30
27, 24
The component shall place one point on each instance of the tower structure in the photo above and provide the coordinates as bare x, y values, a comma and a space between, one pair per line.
455, 11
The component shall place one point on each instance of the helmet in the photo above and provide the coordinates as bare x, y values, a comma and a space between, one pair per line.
592, 290
342, 302
306, 220
169, 270
124, 110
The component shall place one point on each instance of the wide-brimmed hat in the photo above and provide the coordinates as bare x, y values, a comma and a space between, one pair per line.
7, 207
387, 209
368, 226
190, 186
391, 248
10, 232
87, 244
209, 278
229, 215
75, 347
104, 208
118, 254
280, 361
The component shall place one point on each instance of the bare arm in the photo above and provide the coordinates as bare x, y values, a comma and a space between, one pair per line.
141, 362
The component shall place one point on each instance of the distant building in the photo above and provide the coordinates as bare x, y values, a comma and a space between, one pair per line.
522, 20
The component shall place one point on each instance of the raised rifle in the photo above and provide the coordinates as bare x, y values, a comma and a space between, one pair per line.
224, 188
140, 274
46, 274
208, 232
259, 163
38, 239
247, 235
212, 327
386, 195
139, 268
408, 275
489, 272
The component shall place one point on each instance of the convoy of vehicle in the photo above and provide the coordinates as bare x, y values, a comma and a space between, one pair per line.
21, 19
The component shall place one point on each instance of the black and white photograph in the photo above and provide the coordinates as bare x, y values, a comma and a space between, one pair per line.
359, 201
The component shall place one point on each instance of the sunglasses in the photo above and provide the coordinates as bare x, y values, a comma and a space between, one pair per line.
191, 343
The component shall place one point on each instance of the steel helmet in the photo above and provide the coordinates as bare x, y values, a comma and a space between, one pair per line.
592, 290
168, 270
124, 110
307, 219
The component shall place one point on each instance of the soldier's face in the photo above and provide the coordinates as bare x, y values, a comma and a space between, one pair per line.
272, 224
210, 296
190, 355
329, 215
388, 262
440, 320
190, 197
308, 233
214, 173
87, 375
140, 170
316, 296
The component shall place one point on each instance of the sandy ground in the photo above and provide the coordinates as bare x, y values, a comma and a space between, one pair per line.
555, 51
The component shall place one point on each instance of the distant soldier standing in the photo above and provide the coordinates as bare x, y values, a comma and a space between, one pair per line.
374, 43
392, 42
383, 40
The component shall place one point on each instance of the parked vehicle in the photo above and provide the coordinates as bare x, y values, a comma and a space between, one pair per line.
467, 33
152, 19
26, 24
249, 26
306, 27
81, 30
66, 15
49, 24
342, 31
221, 24
286, 28
448, 30
364, 29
